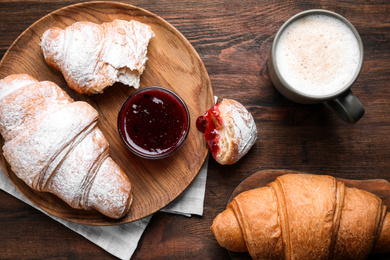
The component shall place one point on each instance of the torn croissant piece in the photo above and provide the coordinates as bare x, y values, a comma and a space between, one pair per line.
304, 216
92, 57
53, 144
229, 129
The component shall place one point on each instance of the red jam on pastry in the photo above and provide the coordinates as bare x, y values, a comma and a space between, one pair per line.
229, 129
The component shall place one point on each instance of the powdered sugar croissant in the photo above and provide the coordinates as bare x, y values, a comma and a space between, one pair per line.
92, 57
53, 144
304, 216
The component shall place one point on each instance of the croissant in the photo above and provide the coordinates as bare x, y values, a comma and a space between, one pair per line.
53, 144
229, 129
92, 57
304, 216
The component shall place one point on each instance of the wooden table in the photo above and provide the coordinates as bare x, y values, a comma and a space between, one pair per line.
233, 38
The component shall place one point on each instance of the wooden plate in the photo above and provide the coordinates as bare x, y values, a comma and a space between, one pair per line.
381, 188
172, 63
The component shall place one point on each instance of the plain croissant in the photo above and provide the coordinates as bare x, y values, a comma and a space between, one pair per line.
92, 57
303, 216
53, 144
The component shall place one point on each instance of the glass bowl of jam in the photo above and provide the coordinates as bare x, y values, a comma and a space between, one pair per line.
153, 122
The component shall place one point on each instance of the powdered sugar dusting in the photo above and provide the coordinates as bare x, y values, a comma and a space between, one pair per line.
11, 84
108, 194
80, 52
31, 153
54, 145
70, 179
238, 133
92, 57
244, 127
28, 103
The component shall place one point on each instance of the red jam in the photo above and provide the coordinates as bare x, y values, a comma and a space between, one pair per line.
206, 125
201, 123
153, 122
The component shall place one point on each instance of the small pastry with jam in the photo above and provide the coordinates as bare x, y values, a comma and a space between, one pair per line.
229, 129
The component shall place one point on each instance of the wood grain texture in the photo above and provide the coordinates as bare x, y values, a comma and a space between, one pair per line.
172, 63
233, 38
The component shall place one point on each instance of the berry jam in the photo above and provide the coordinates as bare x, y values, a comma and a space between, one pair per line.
209, 125
201, 123
153, 122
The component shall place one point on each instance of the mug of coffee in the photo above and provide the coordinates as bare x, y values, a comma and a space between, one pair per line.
316, 56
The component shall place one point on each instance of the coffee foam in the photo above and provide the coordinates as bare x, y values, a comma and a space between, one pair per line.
318, 54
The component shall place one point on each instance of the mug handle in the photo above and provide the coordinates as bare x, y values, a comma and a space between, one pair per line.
346, 106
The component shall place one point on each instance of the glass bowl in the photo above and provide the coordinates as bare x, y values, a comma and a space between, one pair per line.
153, 122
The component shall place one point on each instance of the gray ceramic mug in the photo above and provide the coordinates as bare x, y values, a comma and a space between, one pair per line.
301, 53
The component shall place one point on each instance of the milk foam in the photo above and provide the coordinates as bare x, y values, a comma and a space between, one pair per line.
317, 54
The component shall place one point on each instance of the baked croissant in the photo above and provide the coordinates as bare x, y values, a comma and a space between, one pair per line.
53, 144
229, 129
92, 57
303, 216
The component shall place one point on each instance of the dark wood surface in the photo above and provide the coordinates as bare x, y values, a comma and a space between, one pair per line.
233, 38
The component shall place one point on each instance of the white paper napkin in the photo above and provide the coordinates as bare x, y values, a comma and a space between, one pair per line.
122, 240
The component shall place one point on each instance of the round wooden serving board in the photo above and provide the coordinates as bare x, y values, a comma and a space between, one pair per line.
172, 63
381, 188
